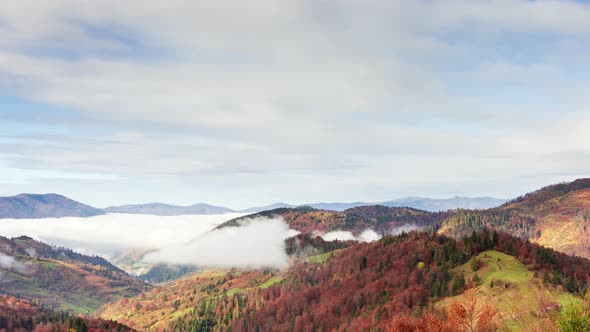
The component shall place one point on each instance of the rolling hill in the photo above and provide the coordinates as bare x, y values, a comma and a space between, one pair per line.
61, 278
22, 315
365, 286
381, 219
44, 206
556, 216
160, 209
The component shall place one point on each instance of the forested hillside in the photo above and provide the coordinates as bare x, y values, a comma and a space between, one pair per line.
61, 278
381, 219
556, 216
358, 288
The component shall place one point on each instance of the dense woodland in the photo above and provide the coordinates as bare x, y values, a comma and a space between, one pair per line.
366, 288
22, 315
381, 219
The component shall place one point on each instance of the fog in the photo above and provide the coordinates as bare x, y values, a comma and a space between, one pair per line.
368, 235
11, 264
184, 239
258, 243
104, 235
403, 228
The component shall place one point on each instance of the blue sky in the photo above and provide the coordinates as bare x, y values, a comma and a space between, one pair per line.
299, 101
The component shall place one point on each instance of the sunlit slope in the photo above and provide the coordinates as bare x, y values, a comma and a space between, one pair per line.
61, 278
517, 292
557, 217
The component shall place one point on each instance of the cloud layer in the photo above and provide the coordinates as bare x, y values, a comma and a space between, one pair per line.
177, 239
259, 243
104, 235
302, 100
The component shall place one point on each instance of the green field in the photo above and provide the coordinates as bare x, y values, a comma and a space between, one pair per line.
319, 259
517, 293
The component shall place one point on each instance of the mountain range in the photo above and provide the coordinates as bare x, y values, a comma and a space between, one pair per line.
58, 206
524, 262
44, 206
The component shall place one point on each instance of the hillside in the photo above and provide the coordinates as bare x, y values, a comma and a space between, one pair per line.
61, 278
517, 292
22, 315
359, 288
160, 209
556, 216
44, 206
381, 219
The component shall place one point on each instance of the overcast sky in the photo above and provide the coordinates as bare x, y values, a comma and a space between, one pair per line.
251, 102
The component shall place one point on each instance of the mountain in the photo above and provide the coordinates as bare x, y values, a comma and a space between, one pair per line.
61, 278
556, 216
160, 209
370, 286
381, 219
44, 206
420, 203
445, 204
268, 207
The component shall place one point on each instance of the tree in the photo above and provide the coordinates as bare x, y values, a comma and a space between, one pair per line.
471, 317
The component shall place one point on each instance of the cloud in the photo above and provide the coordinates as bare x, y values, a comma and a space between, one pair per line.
368, 235
176, 239
296, 97
258, 243
404, 228
11, 264
104, 235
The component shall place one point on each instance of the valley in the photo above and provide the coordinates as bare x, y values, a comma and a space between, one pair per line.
511, 263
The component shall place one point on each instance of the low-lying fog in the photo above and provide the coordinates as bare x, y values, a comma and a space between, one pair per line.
187, 239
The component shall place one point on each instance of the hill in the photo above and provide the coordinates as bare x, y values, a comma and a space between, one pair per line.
160, 209
61, 278
44, 206
422, 203
380, 219
517, 292
360, 287
556, 216
22, 315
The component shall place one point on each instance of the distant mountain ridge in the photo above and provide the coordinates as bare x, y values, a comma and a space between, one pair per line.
160, 209
44, 206
25, 206
421, 203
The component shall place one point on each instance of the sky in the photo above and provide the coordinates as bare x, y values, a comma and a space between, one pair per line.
249, 103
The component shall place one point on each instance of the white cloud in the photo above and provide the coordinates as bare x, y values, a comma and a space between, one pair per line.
11, 264
258, 243
176, 239
104, 235
273, 96
368, 235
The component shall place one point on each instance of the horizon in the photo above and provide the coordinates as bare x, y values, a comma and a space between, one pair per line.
117, 103
269, 204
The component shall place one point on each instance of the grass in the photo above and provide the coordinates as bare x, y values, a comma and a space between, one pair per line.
234, 291
271, 281
319, 259
519, 299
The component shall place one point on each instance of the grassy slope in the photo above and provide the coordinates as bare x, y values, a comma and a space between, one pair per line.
521, 300
86, 292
